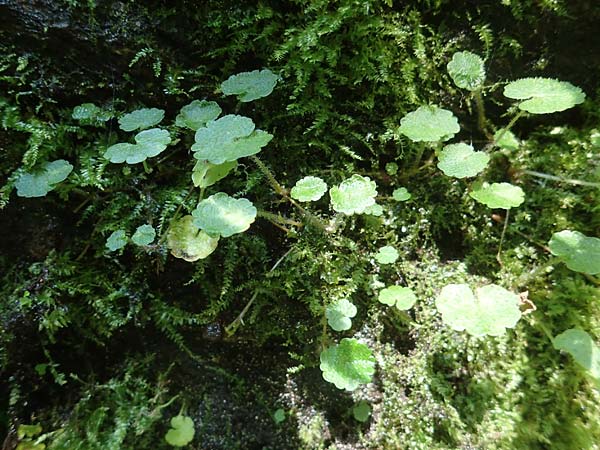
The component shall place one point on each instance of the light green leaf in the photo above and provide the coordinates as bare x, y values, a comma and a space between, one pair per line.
354, 195
187, 242
582, 348
391, 168
206, 174
347, 364
223, 215
498, 195
401, 194
181, 432
39, 183
579, 252
339, 315
197, 114
466, 70
141, 119
489, 311
361, 411
374, 210
117, 240
309, 189
28, 430
429, 124
401, 297
149, 143
144, 235
248, 86
508, 140
89, 113
279, 415
544, 95
386, 255
461, 161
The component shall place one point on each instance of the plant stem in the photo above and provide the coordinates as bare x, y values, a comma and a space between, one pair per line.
147, 168
278, 218
560, 179
481, 119
420, 152
498, 258
505, 129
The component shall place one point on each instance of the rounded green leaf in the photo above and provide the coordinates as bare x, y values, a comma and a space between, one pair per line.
279, 415
117, 240
498, 195
374, 210
507, 140
386, 255
582, 348
206, 174
361, 411
89, 113
149, 143
429, 124
248, 86
347, 364
489, 311
144, 235
141, 119
579, 252
339, 315
187, 242
401, 297
354, 195
181, 432
309, 189
391, 168
461, 161
223, 215
544, 95
401, 194
197, 114
40, 182
466, 70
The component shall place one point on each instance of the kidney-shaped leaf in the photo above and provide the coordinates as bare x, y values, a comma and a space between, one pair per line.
401, 194
489, 311
248, 86
498, 195
149, 143
181, 432
466, 70
461, 161
339, 315
401, 297
579, 252
144, 235
347, 364
39, 183
90, 113
223, 215
187, 242
309, 189
386, 255
197, 114
206, 174
544, 95
117, 240
141, 119
582, 348
354, 195
362, 411
429, 124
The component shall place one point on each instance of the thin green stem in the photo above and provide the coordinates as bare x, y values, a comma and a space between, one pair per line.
505, 130
498, 258
560, 179
481, 119
278, 218
420, 151
147, 168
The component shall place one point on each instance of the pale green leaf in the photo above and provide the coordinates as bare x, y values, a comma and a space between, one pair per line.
507, 140
206, 174
401, 297
117, 240
40, 182
309, 189
374, 210
466, 70
197, 114
339, 315
582, 348
429, 124
223, 215
391, 168
461, 161
141, 119
144, 235
279, 415
354, 195
544, 95
187, 242
90, 113
361, 411
489, 311
386, 255
181, 432
579, 252
149, 143
498, 195
248, 86
401, 194
347, 364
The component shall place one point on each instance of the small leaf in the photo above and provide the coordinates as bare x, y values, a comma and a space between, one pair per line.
579, 252
90, 113
187, 242
374, 210
206, 174
466, 70
141, 119
39, 183
361, 411
339, 315
386, 255
544, 95
582, 348
117, 240
144, 235
429, 124
197, 114
354, 195
223, 215
149, 143
248, 86
401, 297
507, 141
347, 364
279, 415
28, 430
181, 432
461, 161
401, 194
391, 168
489, 311
498, 195
309, 189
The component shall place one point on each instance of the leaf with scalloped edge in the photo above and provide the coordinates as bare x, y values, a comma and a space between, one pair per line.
429, 124
498, 195
117, 240
544, 95
489, 311
248, 86
40, 182
187, 242
197, 114
88, 113
466, 70
308, 189
181, 432
149, 143
223, 215
580, 253
401, 297
401, 194
141, 119
507, 140
462, 161
582, 348
144, 235
354, 195
386, 255
361, 411
206, 174
347, 364
339, 315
